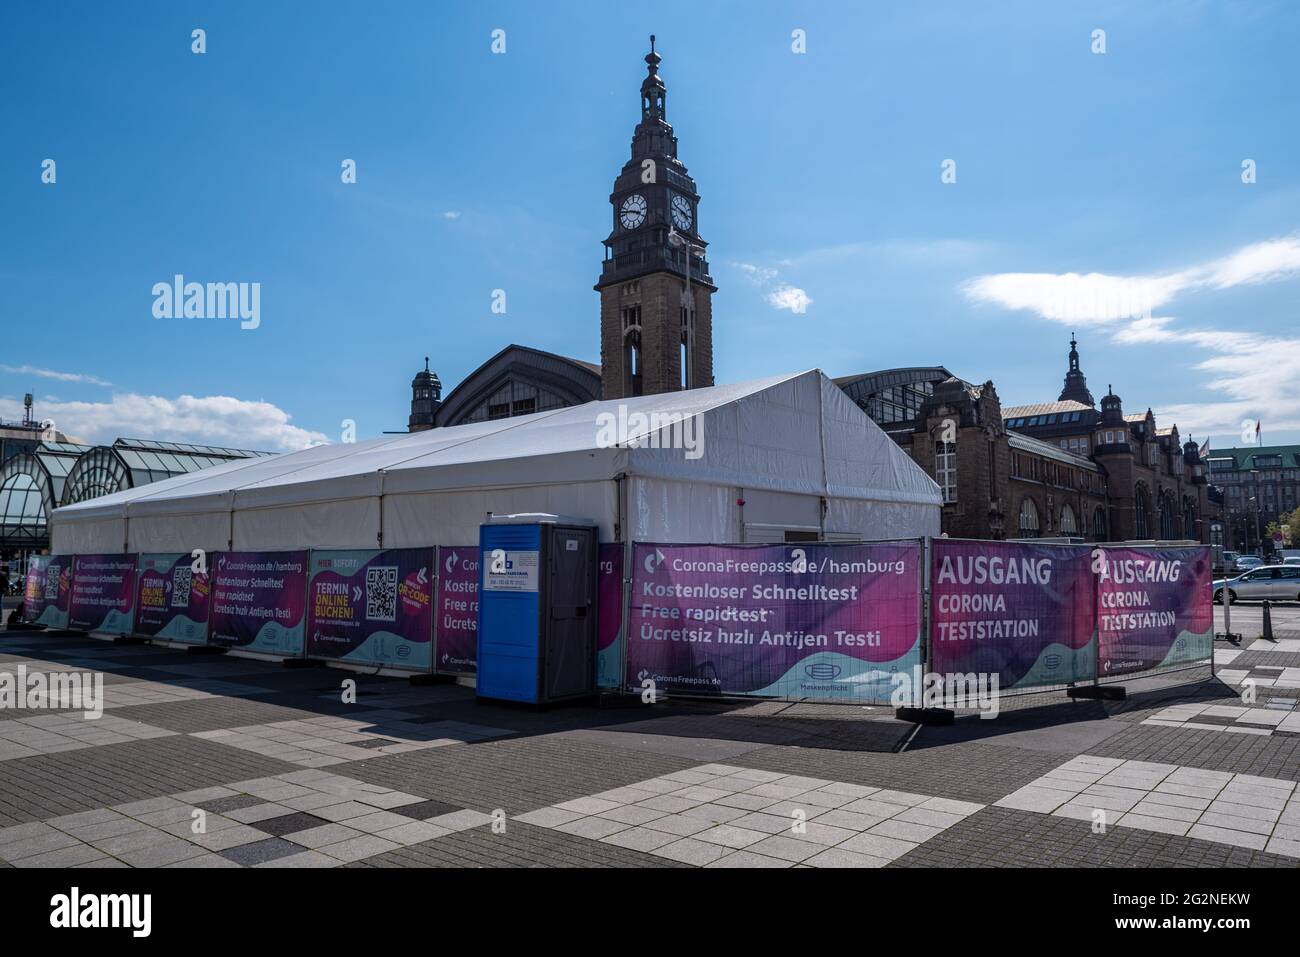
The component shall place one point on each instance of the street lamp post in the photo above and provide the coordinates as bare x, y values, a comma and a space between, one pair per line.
1254, 501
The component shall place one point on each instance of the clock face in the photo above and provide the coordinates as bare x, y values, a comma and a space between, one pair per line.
682, 212
632, 213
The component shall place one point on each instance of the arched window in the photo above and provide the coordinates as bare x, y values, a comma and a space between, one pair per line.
1189, 520
945, 469
1068, 524
632, 362
98, 472
1099, 531
1141, 505
1028, 519
1168, 518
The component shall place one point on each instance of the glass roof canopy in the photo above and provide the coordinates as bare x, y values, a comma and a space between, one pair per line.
129, 463
33, 483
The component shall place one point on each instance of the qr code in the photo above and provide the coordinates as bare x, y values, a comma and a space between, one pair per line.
181, 587
381, 593
52, 583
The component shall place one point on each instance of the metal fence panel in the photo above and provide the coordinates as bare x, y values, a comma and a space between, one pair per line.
1016, 613
796, 621
1155, 610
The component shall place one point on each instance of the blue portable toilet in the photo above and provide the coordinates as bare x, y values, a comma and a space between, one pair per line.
537, 608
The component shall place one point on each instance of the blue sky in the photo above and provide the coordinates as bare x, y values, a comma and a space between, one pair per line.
1082, 179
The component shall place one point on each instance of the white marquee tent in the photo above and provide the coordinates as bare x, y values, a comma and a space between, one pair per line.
794, 449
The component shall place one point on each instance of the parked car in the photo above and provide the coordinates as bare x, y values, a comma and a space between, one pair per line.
1225, 562
1274, 582
1291, 560
1246, 562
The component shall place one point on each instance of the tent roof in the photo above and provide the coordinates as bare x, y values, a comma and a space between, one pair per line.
796, 433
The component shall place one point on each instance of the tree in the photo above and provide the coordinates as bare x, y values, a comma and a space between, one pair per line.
1288, 525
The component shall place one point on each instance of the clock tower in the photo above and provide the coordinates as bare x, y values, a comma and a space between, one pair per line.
656, 317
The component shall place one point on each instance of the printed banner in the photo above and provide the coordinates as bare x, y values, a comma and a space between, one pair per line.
372, 607
609, 616
103, 594
47, 589
259, 602
1154, 608
802, 621
172, 598
458, 609
1020, 611
34, 587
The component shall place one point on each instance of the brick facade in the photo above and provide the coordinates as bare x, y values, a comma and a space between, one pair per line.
1060, 469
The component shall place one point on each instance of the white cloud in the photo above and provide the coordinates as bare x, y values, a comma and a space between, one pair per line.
1268, 261
205, 420
779, 295
53, 374
1101, 299
789, 297
1255, 372
451, 214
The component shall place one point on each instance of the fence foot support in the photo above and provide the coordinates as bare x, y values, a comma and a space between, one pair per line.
614, 699
425, 679
127, 640
300, 663
1099, 692
1232, 636
931, 716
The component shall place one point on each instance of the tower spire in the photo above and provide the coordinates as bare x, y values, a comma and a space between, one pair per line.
653, 91
1076, 384
656, 318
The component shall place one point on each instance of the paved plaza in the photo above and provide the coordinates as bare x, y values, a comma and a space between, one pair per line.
278, 771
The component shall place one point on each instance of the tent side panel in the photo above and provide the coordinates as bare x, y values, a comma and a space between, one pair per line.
876, 521
661, 510
453, 518
179, 533
104, 536
781, 509
350, 523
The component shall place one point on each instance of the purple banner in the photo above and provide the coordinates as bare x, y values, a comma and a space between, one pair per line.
458, 609
46, 590
802, 621
1022, 612
172, 598
609, 616
372, 607
1154, 608
103, 594
259, 602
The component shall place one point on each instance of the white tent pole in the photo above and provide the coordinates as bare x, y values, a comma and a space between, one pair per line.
821, 431
622, 483
381, 508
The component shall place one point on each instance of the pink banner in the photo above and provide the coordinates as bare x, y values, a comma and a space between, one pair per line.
103, 594
1154, 608
806, 621
1020, 611
457, 651
609, 618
